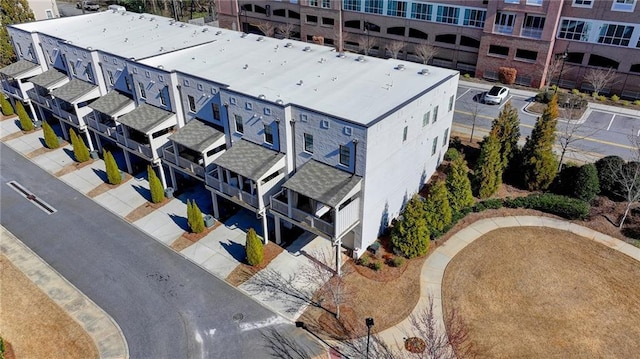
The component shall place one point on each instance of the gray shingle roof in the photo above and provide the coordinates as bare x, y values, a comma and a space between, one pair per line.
73, 90
196, 135
111, 103
17, 68
48, 78
248, 159
145, 117
323, 183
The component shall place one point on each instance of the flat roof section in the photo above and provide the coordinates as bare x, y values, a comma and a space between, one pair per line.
128, 35
353, 87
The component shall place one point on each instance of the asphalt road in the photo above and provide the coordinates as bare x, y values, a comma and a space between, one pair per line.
603, 133
166, 306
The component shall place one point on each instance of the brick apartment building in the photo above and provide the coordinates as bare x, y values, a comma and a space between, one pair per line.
473, 36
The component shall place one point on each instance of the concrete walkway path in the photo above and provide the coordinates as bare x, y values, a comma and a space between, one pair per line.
434, 267
101, 328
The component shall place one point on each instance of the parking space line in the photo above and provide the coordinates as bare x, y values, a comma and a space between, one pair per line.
504, 102
464, 93
611, 122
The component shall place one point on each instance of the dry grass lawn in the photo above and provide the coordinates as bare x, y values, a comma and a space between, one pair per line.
543, 293
35, 326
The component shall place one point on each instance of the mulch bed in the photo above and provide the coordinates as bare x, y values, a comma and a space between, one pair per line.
105, 187
72, 167
145, 209
244, 271
43, 150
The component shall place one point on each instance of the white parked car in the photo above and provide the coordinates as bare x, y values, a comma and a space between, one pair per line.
496, 95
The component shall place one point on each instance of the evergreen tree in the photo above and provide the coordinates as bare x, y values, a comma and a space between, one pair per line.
155, 186
25, 120
540, 165
7, 109
507, 130
609, 183
50, 137
113, 172
254, 248
437, 207
197, 221
12, 12
410, 233
74, 141
488, 173
586, 184
459, 185
189, 214
80, 150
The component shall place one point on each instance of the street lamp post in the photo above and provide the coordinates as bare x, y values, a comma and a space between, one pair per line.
563, 56
369, 323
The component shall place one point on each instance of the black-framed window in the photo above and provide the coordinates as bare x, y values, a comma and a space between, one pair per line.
308, 142
345, 155
239, 124
268, 134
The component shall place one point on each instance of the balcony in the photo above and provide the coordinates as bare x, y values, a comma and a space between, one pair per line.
66, 116
11, 90
503, 29
232, 192
303, 217
184, 161
135, 146
44, 101
103, 128
531, 32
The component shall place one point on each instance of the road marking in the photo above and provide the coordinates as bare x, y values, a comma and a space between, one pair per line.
611, 122
471, 114
198, 338
44, 206
265, 323
464, 93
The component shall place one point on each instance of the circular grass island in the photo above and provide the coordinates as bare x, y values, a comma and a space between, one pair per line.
537, 292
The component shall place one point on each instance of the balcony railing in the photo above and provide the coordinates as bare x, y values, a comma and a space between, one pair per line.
348, 215
503, 29
131, 144
302, 217
109, 131
42, 100
12, 90
184, 163
211, 179
531, 32
67, 116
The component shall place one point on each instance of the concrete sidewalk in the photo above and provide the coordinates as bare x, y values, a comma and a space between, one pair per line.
102, 329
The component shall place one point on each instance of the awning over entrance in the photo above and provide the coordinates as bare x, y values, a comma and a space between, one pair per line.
74, 91
111, 103
49, 78
145, 118
18, 68
197, 135
323, 183
249, 160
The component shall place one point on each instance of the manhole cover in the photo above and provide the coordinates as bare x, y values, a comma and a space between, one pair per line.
238, 317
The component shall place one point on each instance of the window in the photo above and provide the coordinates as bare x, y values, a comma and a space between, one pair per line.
445, 137
373, 6
216, 111
623, 5
512, 1
435, 114
327, 21
127, 81
498, 50
447, 14
72, 66
89, 72
312, 19
326, 4
248, 106
303, 118
615, 34
353, 5
313, 3
232, 100
324, 124
49, 57
192, 103
268, 134
582, 3
143, 94
534, 2
526, 55
267, 111
110, 76
533, 26
347, 130
474, 18
451, 100
434, 147
404, 133
426, 118
345, 155
397, 8
19, 49
421, 11
163, 100
574, 30
49, 14
504, 22
239, 126
308, 143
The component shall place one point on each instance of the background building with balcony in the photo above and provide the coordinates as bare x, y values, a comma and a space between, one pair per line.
475, 37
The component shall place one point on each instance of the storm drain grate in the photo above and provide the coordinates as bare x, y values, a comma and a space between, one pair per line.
47, 208
238, 317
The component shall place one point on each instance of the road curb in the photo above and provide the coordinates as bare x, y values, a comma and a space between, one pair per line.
101, 328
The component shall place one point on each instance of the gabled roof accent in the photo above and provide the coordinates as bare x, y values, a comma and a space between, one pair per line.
48, 78
111, 103
73, 90
197, 136
19, 67
248, 159
145, 117
323, 183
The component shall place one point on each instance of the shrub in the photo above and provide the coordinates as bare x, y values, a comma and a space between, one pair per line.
586, 185
397, 262
544, 96
507, 75
254, 248
594, 94
493, 203
636, 102
606, 167
364, 260
451, 154
2, 348
562, 206
376, 266
113, 172
80, 150
625, 103
602, 98
410, 234
575, 92
25, 122
466, 76
194, 218
50, 137
563, 183
437, 207
155, 186
7, 109
615, 98
459, 185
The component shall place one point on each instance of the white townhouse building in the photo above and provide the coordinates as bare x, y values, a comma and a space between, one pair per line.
302, 136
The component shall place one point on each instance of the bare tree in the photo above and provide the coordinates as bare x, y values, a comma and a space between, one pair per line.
267, 28
600, 78
286, 30
570, 129
345, 37
627, 176
394, 47
285, 346
426, 52
333, 286
553, 70
473, 107
367, 43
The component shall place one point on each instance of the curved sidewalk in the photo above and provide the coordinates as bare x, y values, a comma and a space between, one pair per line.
434, 267
101, 328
